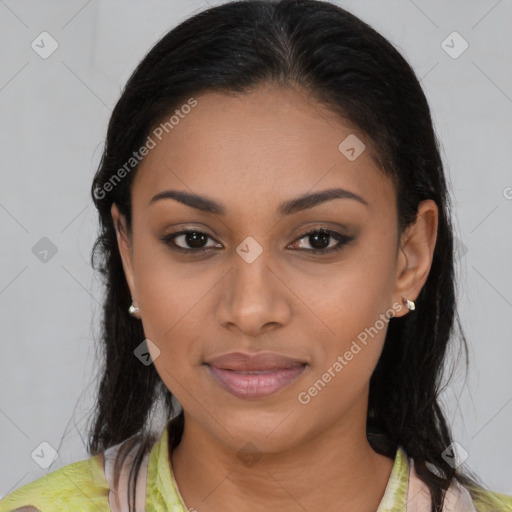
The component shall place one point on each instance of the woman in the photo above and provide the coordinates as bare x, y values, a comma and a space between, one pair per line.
277, 251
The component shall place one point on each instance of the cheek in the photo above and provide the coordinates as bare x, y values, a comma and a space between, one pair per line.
357, 330
347, 356
166, 291
355, 306
355, 292
173, 327
171, 303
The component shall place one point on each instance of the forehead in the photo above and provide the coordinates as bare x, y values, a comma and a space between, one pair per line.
273, 142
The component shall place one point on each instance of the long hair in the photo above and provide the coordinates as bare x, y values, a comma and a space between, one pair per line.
334, 57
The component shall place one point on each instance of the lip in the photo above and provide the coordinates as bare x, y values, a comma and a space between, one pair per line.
242, 362
254, 376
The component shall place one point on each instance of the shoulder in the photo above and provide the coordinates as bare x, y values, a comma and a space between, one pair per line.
79, 486
486, 500
458, 498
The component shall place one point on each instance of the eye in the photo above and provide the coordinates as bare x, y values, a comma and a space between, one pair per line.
194, 241
193, 237
319, 239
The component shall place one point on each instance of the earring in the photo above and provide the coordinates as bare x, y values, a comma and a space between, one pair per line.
132, 309
410, 304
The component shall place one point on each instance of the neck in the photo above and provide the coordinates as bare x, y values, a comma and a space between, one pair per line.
336, 470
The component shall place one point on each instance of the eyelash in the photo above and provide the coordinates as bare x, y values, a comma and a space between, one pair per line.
342, 240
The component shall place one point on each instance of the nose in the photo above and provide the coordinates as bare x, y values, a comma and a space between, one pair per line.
254, 298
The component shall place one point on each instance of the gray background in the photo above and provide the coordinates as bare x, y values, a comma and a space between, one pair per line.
54, 114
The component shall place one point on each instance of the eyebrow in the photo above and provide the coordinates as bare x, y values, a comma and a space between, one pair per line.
289, 207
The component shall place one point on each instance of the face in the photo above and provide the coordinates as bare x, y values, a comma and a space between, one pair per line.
252, 278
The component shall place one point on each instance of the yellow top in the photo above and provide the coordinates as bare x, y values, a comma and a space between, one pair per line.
84, 486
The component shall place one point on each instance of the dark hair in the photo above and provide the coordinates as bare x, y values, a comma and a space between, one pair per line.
330, 55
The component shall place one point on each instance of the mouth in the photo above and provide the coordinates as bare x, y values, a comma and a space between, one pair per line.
254, 376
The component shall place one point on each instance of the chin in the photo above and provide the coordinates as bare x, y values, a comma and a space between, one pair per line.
269, 433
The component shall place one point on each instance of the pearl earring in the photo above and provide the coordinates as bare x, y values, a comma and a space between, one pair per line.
409, 303
132, 309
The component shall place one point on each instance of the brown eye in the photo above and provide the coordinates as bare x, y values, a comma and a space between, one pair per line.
194, 239
319, 239
191, 240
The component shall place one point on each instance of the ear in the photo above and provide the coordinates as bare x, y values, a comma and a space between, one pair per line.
415, 254
125, 248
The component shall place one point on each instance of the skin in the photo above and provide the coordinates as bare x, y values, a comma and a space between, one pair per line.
250, 153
